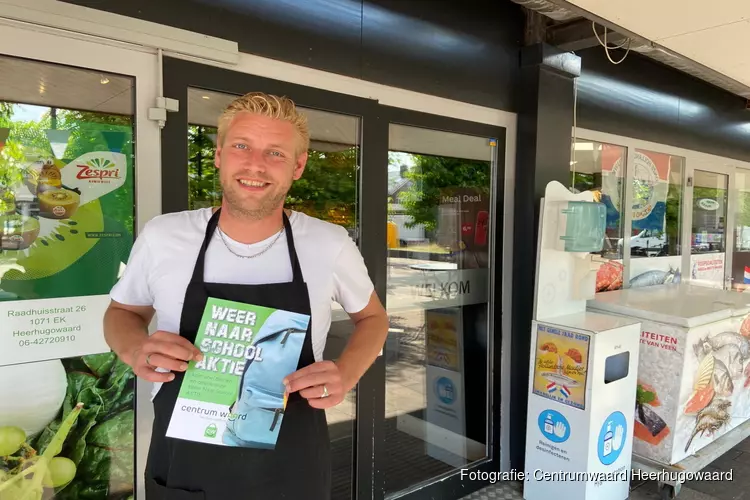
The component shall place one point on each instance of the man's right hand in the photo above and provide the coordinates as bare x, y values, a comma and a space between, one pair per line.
162, 350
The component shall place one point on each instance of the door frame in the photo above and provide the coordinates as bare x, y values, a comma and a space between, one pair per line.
703, 165
39, 43
452, 484
181, 74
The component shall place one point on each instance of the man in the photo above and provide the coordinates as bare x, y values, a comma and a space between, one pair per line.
251, 250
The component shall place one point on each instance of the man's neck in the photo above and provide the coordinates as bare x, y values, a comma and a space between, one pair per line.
248, 230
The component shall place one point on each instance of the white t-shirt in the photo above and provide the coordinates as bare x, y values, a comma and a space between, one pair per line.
164, 255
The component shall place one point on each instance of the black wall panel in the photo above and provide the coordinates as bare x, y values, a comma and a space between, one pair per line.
643, 99
467, 51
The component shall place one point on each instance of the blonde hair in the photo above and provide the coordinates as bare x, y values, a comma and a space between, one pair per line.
259, 103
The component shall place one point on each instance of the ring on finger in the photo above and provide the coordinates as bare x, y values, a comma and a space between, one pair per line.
148, 360
325, 392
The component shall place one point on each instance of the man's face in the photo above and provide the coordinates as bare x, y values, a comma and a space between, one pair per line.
257, 164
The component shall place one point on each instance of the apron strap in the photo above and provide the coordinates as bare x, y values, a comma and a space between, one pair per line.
296, 269
198, 270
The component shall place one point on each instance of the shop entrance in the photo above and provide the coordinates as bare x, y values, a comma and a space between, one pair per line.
709, 262
418, 193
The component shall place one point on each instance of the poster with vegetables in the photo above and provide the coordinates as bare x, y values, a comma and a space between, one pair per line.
561, 366
66, 230
67, 430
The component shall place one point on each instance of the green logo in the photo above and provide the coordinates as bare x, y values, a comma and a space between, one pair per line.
210, 431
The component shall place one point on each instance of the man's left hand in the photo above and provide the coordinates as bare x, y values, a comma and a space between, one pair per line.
314, 380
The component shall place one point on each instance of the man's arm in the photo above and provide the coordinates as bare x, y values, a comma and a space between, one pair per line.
126, 327
338, 378
126, 332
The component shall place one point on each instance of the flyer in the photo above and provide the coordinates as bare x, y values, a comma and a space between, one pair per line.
561, 365
235, 395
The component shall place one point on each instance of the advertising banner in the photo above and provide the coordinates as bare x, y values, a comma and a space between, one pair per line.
66, 231
650, 187
464, 225
561, 366
235, 396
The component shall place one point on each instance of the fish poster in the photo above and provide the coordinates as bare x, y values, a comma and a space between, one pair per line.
651, 178
561, 365
693, 386
235, 395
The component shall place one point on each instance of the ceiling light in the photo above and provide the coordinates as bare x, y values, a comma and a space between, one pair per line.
104, 80
41, 88
206, 97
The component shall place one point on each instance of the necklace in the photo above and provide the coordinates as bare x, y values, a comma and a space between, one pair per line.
278, 235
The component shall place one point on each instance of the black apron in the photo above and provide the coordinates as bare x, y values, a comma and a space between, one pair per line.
300, 465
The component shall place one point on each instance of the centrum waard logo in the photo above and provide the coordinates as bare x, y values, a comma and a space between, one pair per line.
210, 431
98, 169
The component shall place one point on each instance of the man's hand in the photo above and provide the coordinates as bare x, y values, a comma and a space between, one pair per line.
162, 350
310, 380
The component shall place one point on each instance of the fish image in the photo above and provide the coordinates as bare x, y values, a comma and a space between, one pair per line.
648, 425
711, 419
655, 277
723, 384
718, 341
731, 356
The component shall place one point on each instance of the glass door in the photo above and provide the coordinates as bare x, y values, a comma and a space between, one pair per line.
418, 195
330, 189
708, 235
739, 277
439, 354
68, 128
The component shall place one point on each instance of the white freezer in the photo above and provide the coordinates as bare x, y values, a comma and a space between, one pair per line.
694, 365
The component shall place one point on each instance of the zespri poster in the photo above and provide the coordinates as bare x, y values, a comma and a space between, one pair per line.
561, 365
66, 229
235, 396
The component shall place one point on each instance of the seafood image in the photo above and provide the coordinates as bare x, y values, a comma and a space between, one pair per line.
745, 327
729, 354
723, 384
609, 276
703, 387
649, 426
722, 339
655, 277
711, 419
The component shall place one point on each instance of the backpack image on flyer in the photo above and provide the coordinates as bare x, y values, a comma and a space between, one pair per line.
259, 408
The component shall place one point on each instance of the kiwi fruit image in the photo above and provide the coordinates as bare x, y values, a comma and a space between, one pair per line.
49, 178
58, 203
18, 232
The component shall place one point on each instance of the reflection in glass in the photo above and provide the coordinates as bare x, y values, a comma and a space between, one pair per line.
656, 223
741, 257
328, 187
327, 190
708, 242
600, 168
439, 201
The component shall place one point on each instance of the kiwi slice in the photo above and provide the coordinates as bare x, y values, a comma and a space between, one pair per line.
58, 203
18, 232
54, 252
